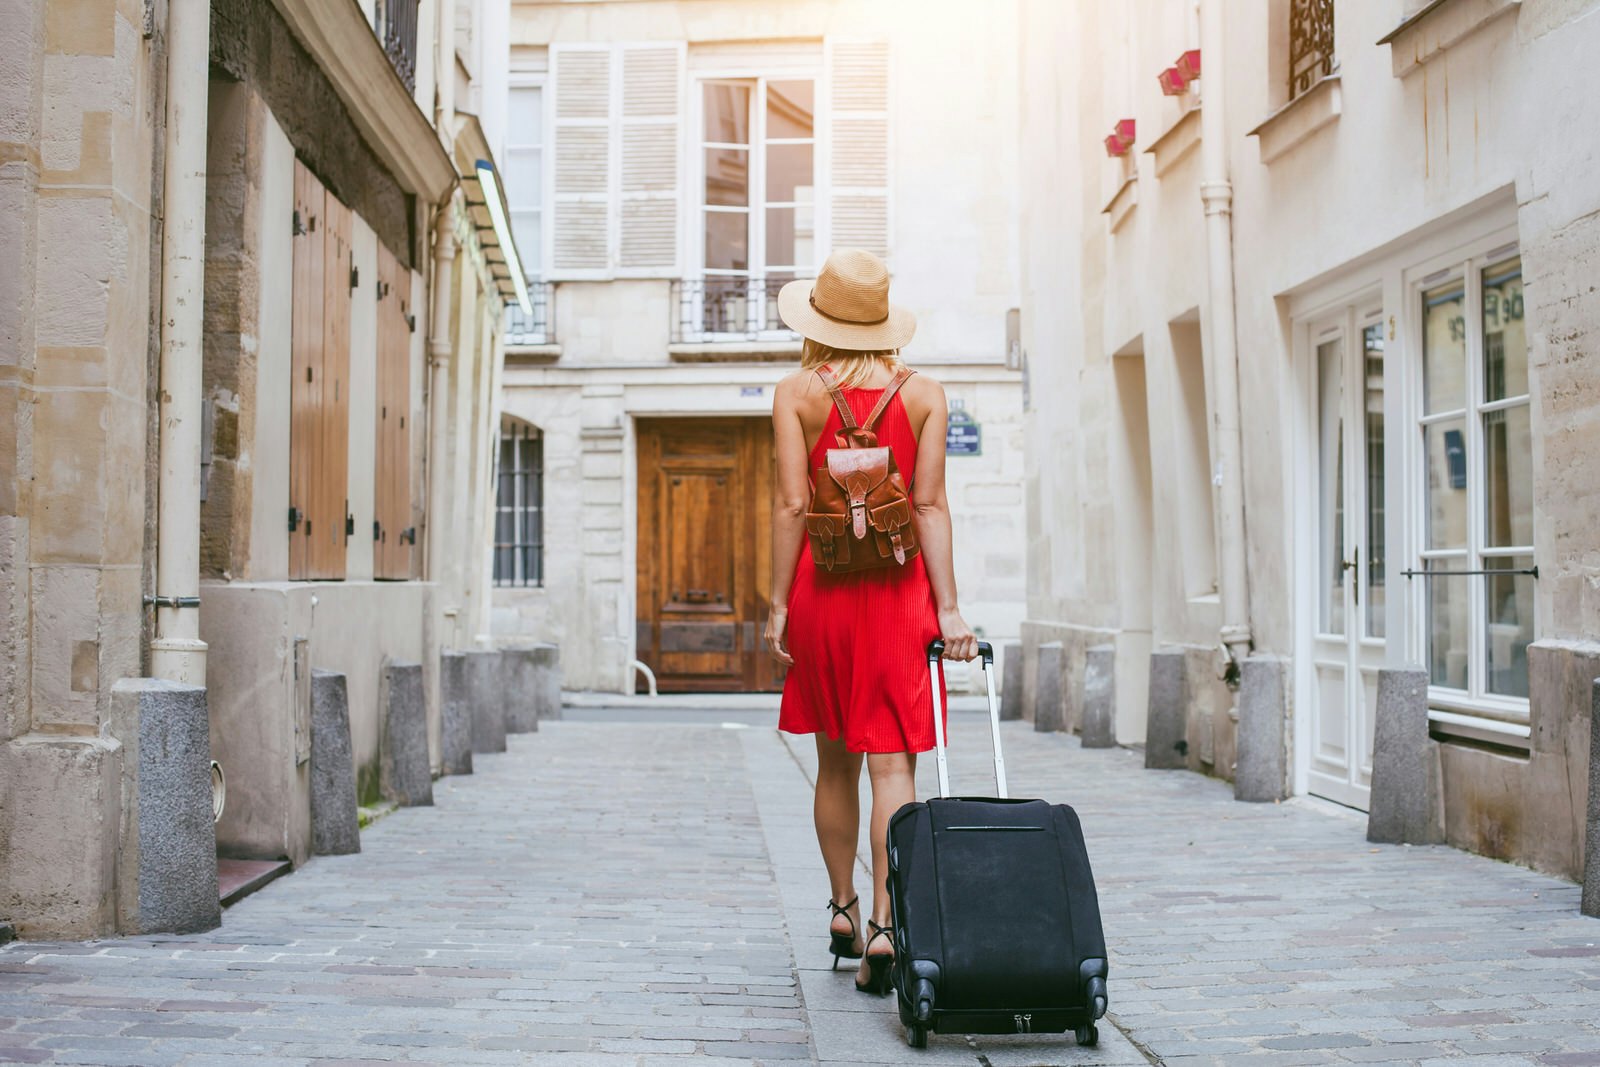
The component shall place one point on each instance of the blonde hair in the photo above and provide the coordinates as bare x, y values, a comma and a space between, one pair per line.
853, 368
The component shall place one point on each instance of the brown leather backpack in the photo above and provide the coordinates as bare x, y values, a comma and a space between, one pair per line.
860, 513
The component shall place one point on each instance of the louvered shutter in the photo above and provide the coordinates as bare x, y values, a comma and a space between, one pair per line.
647, 231
858, 80
581, 192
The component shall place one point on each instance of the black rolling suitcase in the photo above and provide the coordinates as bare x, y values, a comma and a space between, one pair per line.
996, 922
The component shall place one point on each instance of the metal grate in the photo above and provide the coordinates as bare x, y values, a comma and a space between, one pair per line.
1310, 44
396, 26
519, 506
735, 308
538, 328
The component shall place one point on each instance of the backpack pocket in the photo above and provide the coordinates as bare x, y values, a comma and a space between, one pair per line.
893, 533
830, 542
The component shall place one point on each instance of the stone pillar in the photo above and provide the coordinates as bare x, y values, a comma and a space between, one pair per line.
1100, 697
335, 822
1011, 680
486, 702
167, 862
547, 680
455, 713
407, 778
1405, 793
1591, 867
1261, 748
1049, 713
1166, 744
520, 672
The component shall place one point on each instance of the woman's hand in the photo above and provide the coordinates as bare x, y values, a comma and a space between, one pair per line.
776, 621
959, 640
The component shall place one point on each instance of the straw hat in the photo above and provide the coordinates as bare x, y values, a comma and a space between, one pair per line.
847, 305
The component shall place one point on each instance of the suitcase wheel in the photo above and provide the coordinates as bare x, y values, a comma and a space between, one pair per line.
917, 1036
1088, 1034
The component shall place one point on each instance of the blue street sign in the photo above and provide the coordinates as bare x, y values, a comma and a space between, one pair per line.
963, 436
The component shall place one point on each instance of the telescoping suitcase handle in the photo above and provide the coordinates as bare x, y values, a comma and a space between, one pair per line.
986, 653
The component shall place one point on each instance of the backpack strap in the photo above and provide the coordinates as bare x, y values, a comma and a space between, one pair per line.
900, 377
838, 397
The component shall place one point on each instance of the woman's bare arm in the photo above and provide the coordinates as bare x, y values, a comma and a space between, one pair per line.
788, 506
933, 525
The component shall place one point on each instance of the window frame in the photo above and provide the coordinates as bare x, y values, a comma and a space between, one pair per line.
532, 80
758, 313
1473, 711
527, 470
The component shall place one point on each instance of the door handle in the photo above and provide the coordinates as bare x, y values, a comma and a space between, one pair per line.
1354, 565
697, 596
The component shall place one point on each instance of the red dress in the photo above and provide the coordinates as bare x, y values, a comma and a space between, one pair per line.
860, 640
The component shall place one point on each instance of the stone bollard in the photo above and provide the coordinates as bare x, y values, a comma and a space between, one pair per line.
1011, 681
486, 701
407, 777
335, 823
1049, 713
547, 680
1405, 795
1166, 740
1099, 697
455, 715
1591, 866
1261, 760
523, 686
167, 859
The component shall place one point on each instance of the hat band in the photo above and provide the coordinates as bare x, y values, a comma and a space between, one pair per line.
844, 321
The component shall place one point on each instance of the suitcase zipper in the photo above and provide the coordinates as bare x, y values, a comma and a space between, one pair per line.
1024, 1023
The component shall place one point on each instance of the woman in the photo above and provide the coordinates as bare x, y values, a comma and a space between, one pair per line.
854, 643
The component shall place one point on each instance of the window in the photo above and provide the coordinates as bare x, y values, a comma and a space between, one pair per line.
758, 198
1310, 44
1477, 550
519, 506
1192, 466
524, 172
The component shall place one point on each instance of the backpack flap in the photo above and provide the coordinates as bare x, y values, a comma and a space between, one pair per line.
858, 471
891, 521
830, 546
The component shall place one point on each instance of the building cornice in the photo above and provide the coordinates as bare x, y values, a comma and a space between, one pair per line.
341, 41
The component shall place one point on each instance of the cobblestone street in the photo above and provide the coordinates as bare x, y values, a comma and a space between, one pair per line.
625, 894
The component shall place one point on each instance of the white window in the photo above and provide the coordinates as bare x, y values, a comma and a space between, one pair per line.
524, 173
758, 197
1477, 578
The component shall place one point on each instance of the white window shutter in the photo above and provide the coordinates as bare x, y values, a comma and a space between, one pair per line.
581, 190
858, 83
650, 179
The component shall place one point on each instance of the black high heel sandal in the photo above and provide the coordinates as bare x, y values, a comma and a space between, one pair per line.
843, 946
880, 978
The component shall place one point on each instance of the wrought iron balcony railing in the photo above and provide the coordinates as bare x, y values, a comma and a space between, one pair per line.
395, 23
538, 328
728, 309
1310, 44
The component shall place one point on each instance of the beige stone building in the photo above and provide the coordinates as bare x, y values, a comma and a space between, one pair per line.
1313, 383
251, 310
672, 163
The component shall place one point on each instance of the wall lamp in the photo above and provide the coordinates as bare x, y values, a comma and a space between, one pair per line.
489, 180
1121, 139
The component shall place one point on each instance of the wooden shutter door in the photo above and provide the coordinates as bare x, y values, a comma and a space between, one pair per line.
652, 79
328, 538
581, 191
859, 142
392, 465
306, 339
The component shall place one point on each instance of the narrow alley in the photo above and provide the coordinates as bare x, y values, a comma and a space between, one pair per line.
613, 893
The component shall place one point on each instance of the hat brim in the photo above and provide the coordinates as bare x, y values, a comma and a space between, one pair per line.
797, 312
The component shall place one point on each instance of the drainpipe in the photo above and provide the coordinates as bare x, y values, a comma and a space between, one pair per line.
444, 252
1216, 192
177, 653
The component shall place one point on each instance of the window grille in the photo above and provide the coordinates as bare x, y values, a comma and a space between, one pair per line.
1310, 44
519, 506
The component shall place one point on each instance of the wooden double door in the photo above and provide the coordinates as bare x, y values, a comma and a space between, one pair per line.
705, 553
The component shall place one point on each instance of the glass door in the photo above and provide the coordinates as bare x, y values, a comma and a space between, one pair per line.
1350, 580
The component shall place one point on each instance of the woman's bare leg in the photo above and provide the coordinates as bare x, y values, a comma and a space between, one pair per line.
894, 784
837, 812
